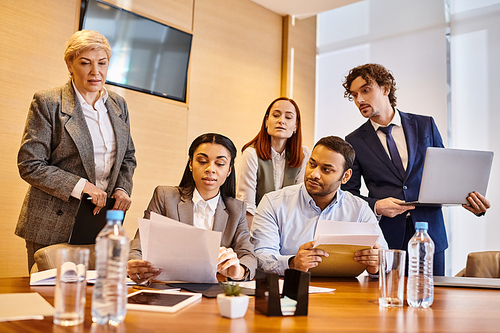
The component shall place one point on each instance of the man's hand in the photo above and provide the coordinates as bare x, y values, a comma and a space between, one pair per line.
122, 200
478, 204
369, 257
307, 257
391, 207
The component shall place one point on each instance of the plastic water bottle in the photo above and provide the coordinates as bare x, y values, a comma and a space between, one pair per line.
109, 298
420, 288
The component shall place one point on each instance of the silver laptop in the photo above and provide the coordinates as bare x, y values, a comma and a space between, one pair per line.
449, 175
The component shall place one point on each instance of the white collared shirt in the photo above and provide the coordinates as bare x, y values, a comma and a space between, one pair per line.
103, 141
204, 211
397, 133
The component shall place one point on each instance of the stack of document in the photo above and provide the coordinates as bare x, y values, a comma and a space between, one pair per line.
48, 278
183, 252
341, 240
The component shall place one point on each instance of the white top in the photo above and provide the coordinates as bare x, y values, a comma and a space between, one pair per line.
398, 134
204, 211
247, 174
103, 141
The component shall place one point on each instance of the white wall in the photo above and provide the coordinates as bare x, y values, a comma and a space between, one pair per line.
404, 36
475, 45
409, 38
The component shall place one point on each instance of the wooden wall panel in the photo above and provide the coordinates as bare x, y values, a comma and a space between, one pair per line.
303, 39
299, 70
235, 69
234, 73
32, 41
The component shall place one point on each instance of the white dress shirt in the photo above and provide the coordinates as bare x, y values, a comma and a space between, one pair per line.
247, 174
204, 211
103, 141
397, 133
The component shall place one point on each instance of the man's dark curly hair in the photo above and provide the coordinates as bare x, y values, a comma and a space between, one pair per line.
371, 73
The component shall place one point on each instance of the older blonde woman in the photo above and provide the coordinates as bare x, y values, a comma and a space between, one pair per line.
76, 140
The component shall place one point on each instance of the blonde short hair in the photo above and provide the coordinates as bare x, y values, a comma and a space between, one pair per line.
85, 40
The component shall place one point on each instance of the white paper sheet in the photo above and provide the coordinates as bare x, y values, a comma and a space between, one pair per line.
183, 252
348, 233
281, 282
24, 306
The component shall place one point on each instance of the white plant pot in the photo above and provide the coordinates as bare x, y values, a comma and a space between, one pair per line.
232, 306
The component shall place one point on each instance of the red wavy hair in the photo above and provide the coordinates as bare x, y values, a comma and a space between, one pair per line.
262, 141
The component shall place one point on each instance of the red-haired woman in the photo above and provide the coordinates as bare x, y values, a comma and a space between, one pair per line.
275, 158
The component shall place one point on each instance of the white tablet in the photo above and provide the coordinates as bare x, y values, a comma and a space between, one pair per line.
160, 301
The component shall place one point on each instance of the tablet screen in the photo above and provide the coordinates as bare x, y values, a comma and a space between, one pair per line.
159, 299
152, 300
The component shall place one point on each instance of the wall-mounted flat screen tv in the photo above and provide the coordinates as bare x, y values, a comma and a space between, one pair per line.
146, 55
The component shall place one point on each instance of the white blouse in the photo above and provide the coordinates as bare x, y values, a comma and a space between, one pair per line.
204, 211
103, 141
247, 174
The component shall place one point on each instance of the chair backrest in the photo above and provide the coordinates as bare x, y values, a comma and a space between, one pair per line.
484, 264
45, 258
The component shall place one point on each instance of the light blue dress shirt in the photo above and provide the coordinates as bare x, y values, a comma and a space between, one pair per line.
287, 218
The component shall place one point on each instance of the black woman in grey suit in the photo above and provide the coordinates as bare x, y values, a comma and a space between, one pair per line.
208, 176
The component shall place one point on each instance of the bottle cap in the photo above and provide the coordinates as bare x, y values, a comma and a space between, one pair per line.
421, 225
115, 215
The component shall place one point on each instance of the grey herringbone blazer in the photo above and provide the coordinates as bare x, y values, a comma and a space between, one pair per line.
56, 151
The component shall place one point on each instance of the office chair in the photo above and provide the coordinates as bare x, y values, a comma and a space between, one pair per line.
45, 258
482, 265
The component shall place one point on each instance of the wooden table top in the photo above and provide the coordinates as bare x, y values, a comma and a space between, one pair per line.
352, 307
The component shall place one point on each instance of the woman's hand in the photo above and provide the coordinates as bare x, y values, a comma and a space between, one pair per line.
123, 201
98, 196
141, 271
229, 264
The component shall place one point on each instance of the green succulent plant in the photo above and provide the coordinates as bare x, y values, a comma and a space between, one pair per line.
231, 288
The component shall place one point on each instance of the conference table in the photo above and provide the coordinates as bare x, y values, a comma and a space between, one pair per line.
352, 307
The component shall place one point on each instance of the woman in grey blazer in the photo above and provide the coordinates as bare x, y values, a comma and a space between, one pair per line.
204, 198
76, 140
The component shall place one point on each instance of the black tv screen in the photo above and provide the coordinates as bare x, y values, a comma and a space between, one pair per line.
146, 55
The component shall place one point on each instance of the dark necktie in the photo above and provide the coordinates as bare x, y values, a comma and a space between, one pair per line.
393, 150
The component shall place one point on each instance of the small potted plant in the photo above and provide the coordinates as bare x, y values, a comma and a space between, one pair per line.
232, 304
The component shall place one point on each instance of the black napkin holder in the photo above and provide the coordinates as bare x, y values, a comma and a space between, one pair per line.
267, 293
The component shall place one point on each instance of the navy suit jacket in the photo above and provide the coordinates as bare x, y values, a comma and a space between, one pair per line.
383, 180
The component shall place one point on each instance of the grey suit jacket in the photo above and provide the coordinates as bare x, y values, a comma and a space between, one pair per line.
56, 151
229, 219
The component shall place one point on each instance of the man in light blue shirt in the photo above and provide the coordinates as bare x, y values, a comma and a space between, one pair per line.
285, 220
